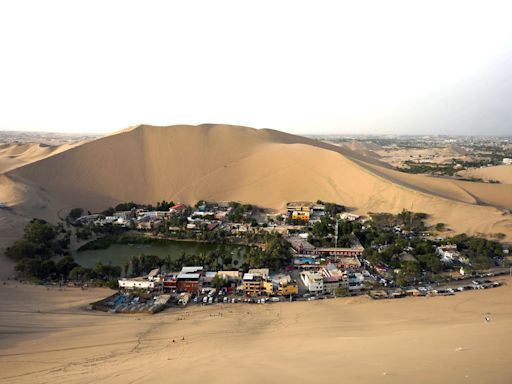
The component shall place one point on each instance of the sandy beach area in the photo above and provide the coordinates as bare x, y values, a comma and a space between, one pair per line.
48, 337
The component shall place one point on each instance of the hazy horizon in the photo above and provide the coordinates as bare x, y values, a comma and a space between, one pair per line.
330, 68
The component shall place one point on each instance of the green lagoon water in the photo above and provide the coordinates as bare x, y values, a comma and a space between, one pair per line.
119, 254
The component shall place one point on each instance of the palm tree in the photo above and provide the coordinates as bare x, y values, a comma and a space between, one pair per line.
167, 263
126, 268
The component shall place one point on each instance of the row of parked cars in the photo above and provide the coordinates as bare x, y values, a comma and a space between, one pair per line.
475, 284
214, 296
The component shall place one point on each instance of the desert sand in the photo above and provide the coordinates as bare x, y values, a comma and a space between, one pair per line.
398, 156
264, 167
501, 173
47, 337
13, 156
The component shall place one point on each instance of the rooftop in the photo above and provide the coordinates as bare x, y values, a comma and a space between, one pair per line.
192, 276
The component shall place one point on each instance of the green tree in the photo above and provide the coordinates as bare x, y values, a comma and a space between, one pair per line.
38, 231
218, 282
80, 273
65, 265
75, 213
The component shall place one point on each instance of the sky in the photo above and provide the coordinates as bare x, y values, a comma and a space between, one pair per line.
315, 67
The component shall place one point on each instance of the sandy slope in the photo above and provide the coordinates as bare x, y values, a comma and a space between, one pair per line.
16, 155
33, 200
501, 173
266, 167
421, 340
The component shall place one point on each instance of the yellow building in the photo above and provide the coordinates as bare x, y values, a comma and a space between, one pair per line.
300, 215
289, 289
252, 284
268, 287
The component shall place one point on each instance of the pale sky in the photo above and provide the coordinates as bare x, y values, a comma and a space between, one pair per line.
302, 67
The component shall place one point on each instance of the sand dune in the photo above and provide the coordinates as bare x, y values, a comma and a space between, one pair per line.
13, 156
265, 167
48, 337
501, 173
366, 149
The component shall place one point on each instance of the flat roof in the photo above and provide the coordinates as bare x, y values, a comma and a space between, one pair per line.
194, 276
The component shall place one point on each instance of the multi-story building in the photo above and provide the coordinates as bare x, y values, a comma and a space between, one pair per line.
290, 288
252, 284
188, 282
313, 281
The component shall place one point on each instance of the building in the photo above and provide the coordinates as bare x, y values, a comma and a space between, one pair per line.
230, 275
154, 275
332, 283
300, 215
151, 281
192, 270
170, 282
301, 246
313, 281
318, 208
177, 208
334, 278
507, 161
268, 287
348, 262
136, 283
288, 289
298, 207
207, 278
263, 272
283, 285
125, 215
349, 216
188, 282
448, 253
252, 284
355, 281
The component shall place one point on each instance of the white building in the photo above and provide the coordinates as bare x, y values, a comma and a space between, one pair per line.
507, 161
136, 282
355, 281
349, 216
313, 281
153, 275
448, 253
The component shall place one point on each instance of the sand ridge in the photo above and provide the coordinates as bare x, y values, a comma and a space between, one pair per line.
14, 155
501, 173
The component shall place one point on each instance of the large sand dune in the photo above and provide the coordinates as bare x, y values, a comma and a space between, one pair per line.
47, 337
265, 167
501, 173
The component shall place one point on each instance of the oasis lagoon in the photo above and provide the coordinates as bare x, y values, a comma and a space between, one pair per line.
120, 254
